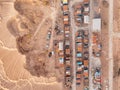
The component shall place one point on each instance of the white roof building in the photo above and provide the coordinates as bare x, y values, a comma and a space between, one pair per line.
60, 45
96, 24
86, 19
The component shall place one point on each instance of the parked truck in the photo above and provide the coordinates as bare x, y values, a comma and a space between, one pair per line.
78, 79
68, 81
67, 31
68, 71
79, 55
86, 63
79, 33
79, 66
86, 73
86, 82
97, 76
67, 62
86, 42
65, 9
86, 2
67, 50
79, 47
66, 19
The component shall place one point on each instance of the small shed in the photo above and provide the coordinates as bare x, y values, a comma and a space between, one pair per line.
96, 24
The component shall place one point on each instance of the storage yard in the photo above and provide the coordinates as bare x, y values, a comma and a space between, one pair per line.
69, 40
78, 38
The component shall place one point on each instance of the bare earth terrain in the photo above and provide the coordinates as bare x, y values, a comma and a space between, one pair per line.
24, 60
116, 47
28, 59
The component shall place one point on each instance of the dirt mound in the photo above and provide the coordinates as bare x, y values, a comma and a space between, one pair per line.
36, 64
29, 10
25, 44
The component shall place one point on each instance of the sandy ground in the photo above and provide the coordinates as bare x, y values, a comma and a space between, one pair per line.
116, 18
13, 75
105, 44
116, 45
116, 50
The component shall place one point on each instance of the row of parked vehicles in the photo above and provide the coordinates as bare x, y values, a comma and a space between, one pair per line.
81, 12
82, 57
67, 49
97, 78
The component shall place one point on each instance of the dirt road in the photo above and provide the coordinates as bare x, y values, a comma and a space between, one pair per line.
73, 46
110, 45
90, 47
